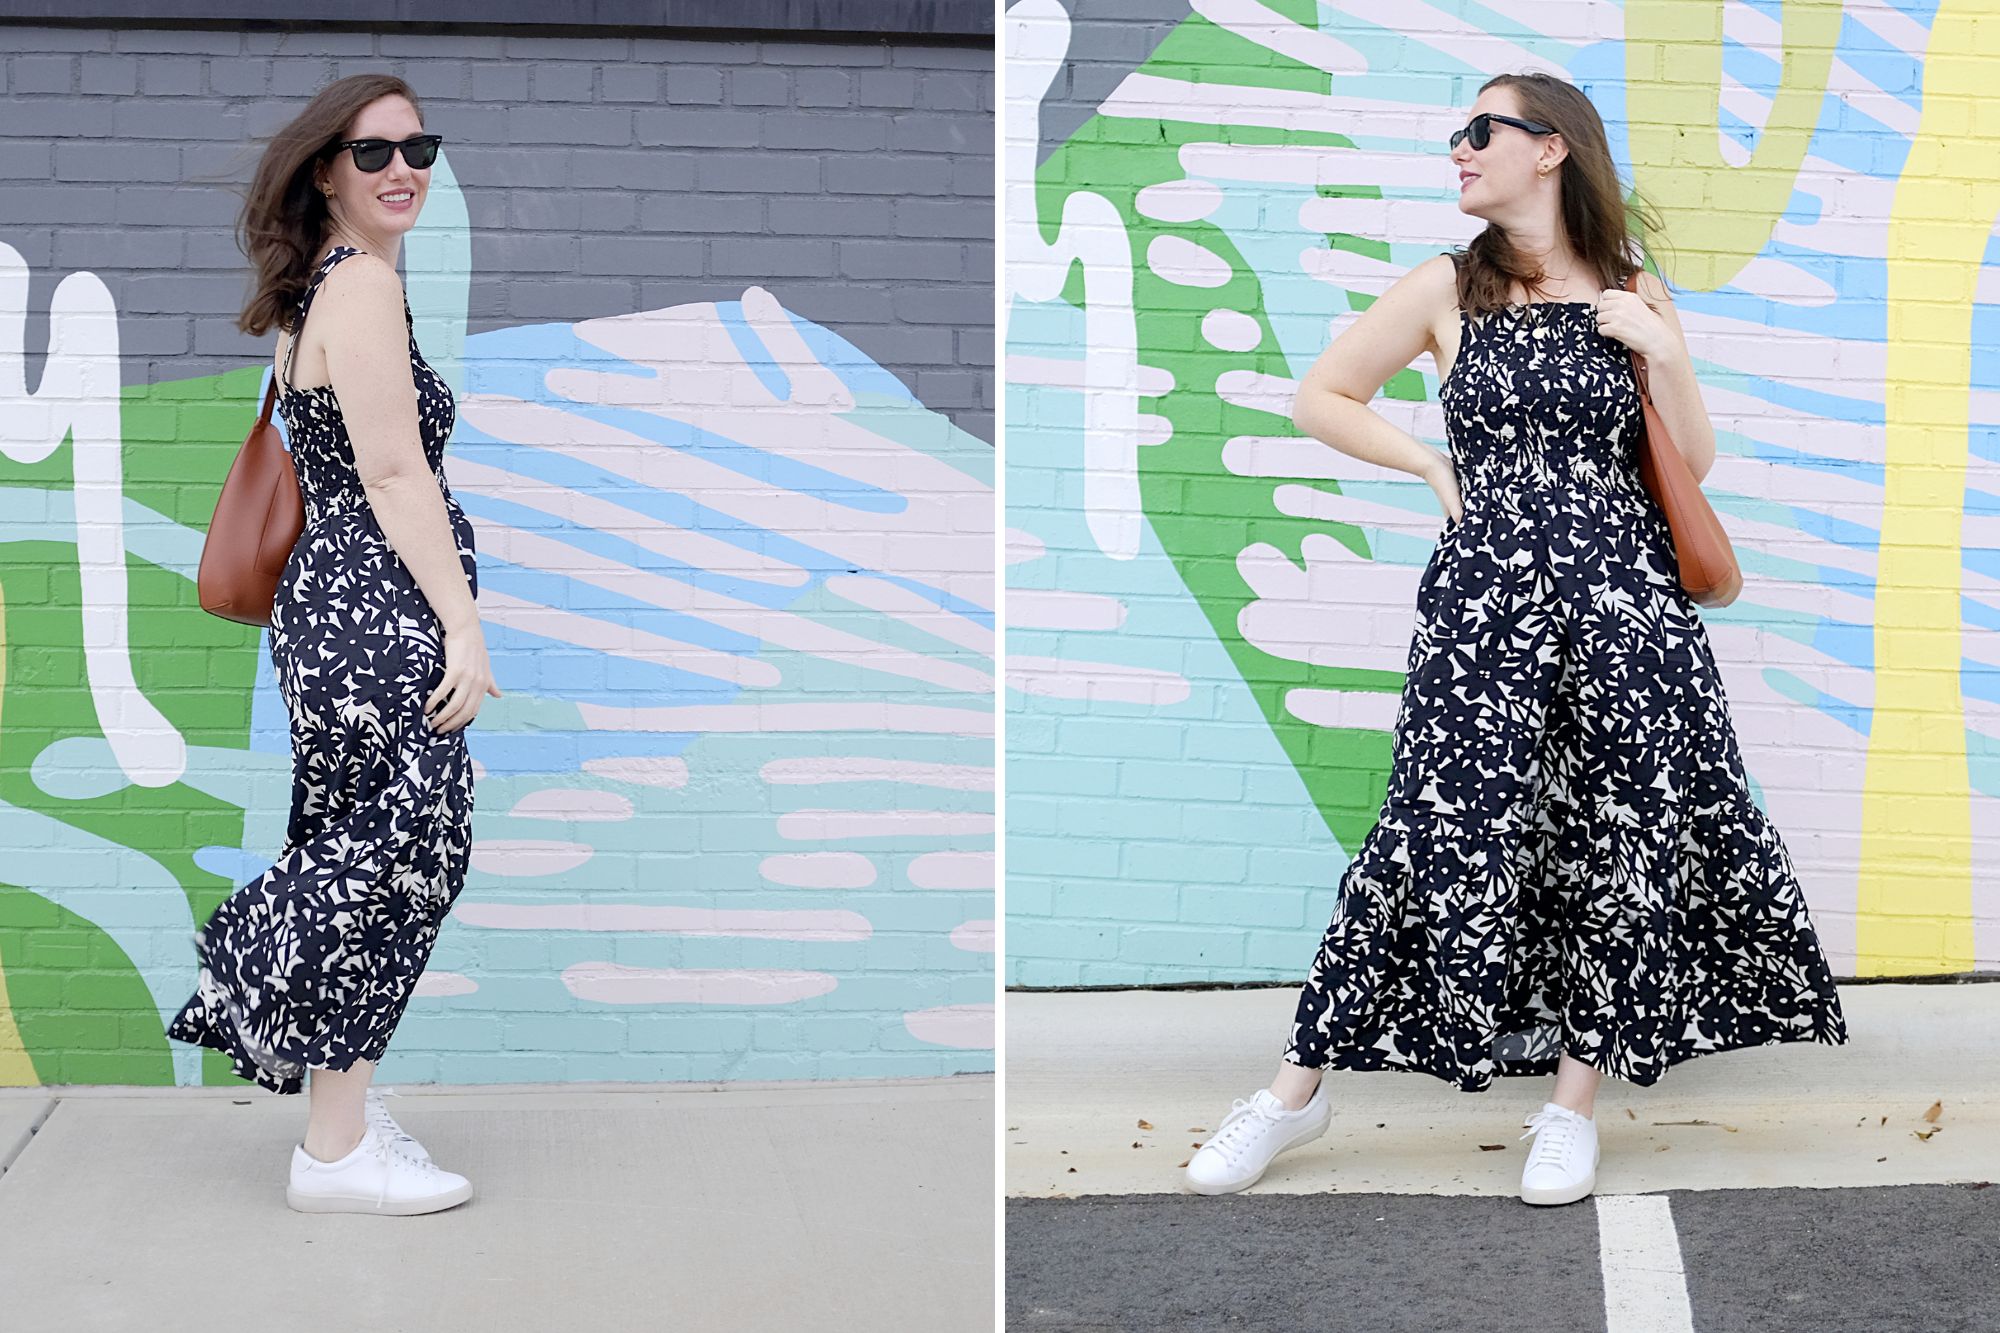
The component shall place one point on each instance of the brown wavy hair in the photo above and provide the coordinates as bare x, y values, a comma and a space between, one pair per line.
284, 215
1598, 217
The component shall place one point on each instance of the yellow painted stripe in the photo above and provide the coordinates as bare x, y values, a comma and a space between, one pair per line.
1915, 902
1717, 217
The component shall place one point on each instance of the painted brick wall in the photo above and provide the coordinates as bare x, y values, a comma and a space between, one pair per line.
718, 313
1208, 616
603, 175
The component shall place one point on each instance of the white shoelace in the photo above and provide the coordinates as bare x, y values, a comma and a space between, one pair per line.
378, 1115
384, 1149
1231, 1135
1559, 1133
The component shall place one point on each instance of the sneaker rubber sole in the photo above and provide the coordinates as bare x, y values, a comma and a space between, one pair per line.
1311, 1130
351, 1203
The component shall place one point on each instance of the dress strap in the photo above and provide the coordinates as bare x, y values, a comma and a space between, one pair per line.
334, 256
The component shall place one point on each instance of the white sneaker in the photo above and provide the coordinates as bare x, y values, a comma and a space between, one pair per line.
377, 1176
1562, 1164
377, 1112
1253, 1133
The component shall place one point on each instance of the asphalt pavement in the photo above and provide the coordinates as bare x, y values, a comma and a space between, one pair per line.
1792, 1187
1889, 1259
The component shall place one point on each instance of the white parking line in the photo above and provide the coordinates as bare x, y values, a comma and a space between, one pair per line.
1645, 1287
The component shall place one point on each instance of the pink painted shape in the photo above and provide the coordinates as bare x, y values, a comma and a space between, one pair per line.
636, 917
572, 803
644, 770
866, 715
614, 983
1100, 682
952, 870
806, 825
1023, 547
974, 937
968, 1026
1058, 609
818, 870
871, 768
528, 857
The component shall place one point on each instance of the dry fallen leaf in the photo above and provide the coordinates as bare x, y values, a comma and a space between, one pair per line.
1145, 1124
1185, 1163
1197, 1129
1932, 1114
1924, 1135
1492, 1147
1071, 1171
1137, 1144
1713, 1124
1884, 1121
1663, 1147
1630, 1114
1881, 1159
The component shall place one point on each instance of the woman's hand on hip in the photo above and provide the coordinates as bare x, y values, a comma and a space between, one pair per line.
1443, 477
468, 679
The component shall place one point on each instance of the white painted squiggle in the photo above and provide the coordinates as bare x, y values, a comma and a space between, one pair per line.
79, 400
1257, 22
1093, 234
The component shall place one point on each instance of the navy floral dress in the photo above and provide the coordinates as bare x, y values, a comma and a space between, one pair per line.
1568, 856
313, 962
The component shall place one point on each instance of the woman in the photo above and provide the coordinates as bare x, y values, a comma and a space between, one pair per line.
1568, 874
379, 656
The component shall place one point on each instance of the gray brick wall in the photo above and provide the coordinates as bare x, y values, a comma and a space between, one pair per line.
603, 175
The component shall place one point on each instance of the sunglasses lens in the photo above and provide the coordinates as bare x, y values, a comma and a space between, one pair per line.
372, 157
1482, 132
421, 154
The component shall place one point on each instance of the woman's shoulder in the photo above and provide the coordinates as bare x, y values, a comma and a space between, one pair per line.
1652, 288
1437, 279
360, 283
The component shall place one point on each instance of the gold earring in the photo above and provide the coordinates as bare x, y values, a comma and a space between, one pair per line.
1542, 170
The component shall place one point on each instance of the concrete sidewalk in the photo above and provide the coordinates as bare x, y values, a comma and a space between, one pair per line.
615, 1206
1085, 1068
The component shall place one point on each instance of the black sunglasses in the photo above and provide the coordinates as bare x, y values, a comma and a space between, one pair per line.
372, 155
1480, 129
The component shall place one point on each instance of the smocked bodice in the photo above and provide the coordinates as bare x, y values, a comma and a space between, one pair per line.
322, 453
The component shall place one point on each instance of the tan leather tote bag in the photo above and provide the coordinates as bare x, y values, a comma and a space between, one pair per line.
1708, 569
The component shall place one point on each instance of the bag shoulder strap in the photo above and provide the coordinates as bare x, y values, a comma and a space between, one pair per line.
334, 256
1639, 362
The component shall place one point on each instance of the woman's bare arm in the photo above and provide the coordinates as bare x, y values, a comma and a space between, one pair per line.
1676, 393
368, 363
1332, 400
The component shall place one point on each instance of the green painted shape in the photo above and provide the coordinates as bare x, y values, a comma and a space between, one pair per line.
82, 1009
179, 439
1203, 514
183, 660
